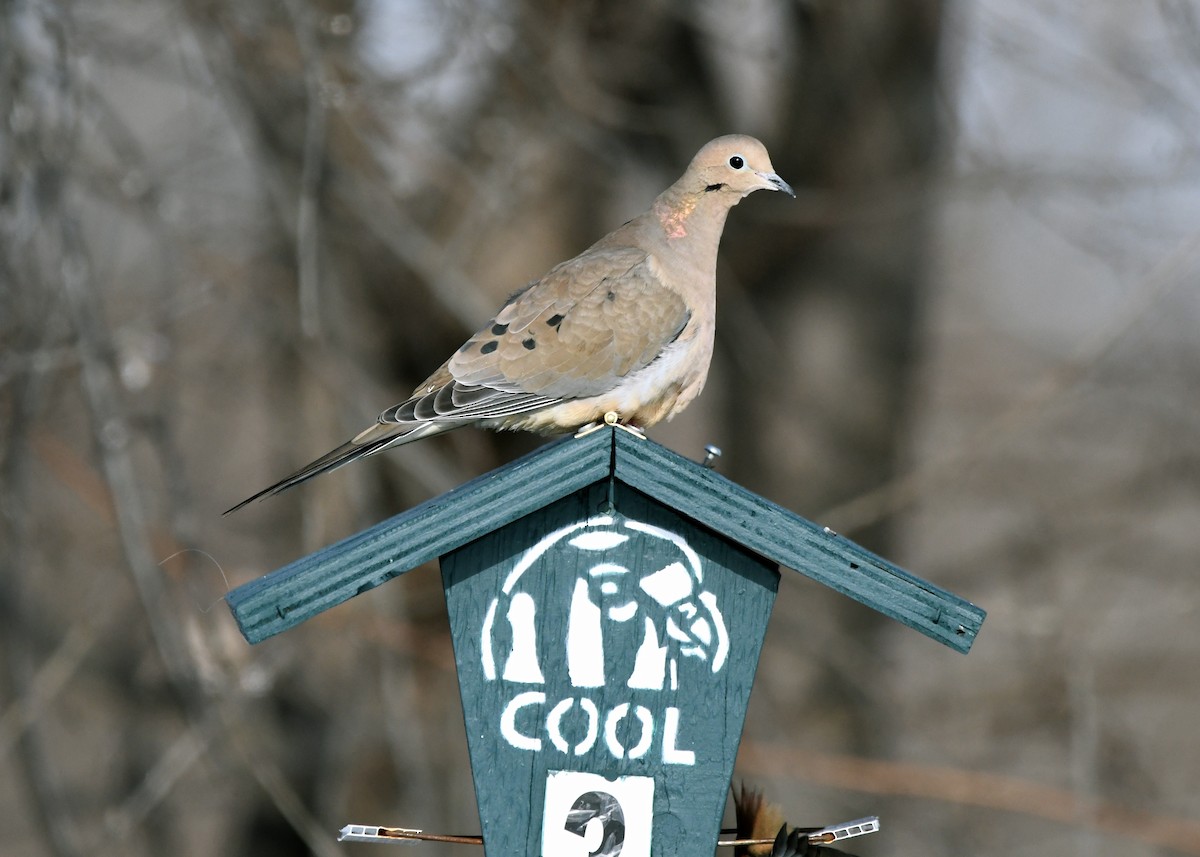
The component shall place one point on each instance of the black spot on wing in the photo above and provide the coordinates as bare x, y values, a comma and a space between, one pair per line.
489, 347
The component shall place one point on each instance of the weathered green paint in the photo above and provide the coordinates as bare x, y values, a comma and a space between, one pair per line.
513, 598
324, 579
796, 543
608, 600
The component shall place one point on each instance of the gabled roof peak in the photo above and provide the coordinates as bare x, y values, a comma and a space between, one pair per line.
326, 578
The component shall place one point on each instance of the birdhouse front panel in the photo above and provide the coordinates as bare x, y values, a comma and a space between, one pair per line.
606, 647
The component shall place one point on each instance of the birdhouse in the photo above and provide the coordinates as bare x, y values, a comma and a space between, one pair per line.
608, 601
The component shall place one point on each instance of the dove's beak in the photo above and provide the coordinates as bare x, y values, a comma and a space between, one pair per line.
774, 182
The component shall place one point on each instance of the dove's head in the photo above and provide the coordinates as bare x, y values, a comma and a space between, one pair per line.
734, 164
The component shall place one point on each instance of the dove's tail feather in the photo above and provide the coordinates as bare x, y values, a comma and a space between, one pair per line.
376, 439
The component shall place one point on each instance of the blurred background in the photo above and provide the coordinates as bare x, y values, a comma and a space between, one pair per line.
233, 232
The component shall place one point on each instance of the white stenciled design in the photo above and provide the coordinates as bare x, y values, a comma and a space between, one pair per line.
508, 720
523, 665
554, 725
645, 718
526, 655
599, 615
671, 753
585, 640
630, 731
666, 611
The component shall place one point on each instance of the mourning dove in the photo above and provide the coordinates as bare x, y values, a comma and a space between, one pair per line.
624, 329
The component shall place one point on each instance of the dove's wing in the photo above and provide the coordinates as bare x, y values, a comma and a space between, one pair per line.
590, 323
577, 332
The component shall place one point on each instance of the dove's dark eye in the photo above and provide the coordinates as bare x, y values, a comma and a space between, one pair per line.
737, 162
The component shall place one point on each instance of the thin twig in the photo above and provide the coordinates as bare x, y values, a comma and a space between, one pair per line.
51, 677
308, 234
888, 499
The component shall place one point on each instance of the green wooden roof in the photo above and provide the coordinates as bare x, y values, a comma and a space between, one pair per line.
312, 584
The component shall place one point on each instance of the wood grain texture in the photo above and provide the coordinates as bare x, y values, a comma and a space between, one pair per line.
709, 700
324, 579
796, 543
